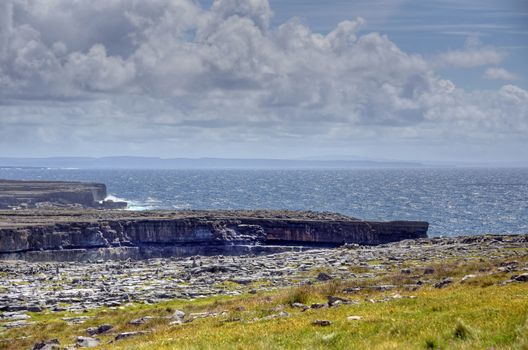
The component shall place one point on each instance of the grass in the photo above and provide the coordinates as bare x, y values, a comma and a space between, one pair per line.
481, 313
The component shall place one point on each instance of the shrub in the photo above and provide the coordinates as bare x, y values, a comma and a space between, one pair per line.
298, 295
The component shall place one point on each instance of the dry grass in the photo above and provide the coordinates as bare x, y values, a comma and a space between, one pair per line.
477, 314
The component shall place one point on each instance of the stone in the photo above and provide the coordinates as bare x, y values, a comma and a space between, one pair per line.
15, 316
279, 307
317, 306
428, 271
52, 344
354, 318
16, 324
178, 314
300, 306
125, 335
35, 308
75, 320
521, 278
87, 342
279, 315
141, 320
323, 277
99, 329
177, 318
467, 277
444, 283
334, 301
323, 323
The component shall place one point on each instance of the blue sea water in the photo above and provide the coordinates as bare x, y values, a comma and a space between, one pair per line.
454, 201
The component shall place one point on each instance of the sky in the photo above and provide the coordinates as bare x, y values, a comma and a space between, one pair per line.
380, 79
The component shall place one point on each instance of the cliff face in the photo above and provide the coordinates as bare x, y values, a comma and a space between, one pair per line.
204, 234
31, 194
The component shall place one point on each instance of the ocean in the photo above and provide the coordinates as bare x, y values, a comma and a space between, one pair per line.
456, 201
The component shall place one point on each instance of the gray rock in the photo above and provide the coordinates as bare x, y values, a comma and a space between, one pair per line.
75, 320
178, 314
35, 308
15, 316
141, 320
428, 271
354, 318
323, 323
334, 301
87, 342
16, 324
125, 335
467, 277
444, 283
300, 306
279, 315
521, 278
100, 329
324, 277
52, 344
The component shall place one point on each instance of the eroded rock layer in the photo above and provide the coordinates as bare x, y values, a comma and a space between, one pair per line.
33, 194
79, 235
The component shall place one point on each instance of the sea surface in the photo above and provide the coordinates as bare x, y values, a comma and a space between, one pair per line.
455, 202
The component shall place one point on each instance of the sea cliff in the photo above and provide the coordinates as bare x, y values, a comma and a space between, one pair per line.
91, 234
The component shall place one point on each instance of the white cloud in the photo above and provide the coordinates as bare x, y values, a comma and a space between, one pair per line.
474, 54
495, 73
171, 71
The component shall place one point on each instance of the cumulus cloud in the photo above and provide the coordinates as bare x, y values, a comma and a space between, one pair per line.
495, 73
76, 71
474, 54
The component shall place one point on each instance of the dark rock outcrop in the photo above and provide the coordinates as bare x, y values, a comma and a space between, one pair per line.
72, 235
33, 194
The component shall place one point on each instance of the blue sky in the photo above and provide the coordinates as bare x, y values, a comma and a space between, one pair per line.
411, 80
429, 27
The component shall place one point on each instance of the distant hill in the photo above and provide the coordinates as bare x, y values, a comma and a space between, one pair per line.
196, 163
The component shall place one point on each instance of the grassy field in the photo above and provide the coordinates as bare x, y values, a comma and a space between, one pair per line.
482, 312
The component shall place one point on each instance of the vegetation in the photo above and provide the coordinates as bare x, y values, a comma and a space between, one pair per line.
482, 312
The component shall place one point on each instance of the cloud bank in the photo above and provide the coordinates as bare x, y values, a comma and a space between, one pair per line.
172, 75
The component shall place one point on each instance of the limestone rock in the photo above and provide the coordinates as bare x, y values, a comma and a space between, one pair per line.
125, 335
443, 283
87, 342
100, 329
52, 344
323, 323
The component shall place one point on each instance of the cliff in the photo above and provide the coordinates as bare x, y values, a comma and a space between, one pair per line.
32, 194
67, 234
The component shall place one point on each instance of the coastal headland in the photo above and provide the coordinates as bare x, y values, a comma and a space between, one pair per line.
75, 274
71, 221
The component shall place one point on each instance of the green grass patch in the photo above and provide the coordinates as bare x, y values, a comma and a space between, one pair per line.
480, 313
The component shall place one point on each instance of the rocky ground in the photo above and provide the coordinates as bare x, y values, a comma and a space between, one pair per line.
78, 287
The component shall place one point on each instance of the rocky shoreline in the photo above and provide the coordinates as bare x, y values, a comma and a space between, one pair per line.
15, 194
78, 287
81, 235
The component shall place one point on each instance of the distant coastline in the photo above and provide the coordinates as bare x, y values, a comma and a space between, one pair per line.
195, 163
